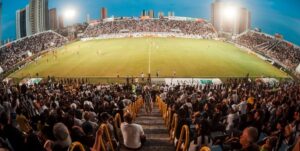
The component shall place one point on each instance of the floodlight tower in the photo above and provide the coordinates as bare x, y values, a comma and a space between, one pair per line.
0, 22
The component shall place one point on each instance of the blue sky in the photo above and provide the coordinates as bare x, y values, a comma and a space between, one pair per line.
272, 16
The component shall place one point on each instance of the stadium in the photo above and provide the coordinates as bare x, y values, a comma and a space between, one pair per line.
195, 52
143, 83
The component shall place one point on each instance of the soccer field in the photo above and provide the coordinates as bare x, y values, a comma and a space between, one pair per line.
132, 56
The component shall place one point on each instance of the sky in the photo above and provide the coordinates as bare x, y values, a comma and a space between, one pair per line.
272, 16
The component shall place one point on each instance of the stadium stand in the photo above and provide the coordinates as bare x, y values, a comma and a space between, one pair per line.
20, 50
280, 50
151, 25
51, 115
76, 29
216, 115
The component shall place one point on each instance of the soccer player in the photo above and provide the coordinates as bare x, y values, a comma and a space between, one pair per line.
99, 52
142, 76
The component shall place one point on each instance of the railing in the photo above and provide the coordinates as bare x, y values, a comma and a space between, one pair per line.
76, 145
173, 127
117, 127
171, 122
169, 117
117, 120
105, 129
184, 134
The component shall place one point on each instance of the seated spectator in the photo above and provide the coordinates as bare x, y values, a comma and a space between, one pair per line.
63, 138
87, 117
269, 145
248, 139
12, 135
133, 134
5, 146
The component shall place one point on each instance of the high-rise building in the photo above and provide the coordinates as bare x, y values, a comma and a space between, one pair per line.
160, 14
103, 13
21, 23
229, 18
171, 13
33, 19
39, 15
53, 19
151, 13
60, 22
144, 13
216, 14
0, 22
244, 20
28, 21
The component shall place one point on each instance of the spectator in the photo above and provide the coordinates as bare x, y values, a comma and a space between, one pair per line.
133, 134
248, 139
63, 138
14, 137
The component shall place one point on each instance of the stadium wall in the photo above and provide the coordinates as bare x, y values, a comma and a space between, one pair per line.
145, 34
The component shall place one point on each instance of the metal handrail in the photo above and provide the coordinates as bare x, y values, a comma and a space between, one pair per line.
185, 133
105, 129
75, 145
174, 125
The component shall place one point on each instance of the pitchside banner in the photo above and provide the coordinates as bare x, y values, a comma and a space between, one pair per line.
192, 81
31, 81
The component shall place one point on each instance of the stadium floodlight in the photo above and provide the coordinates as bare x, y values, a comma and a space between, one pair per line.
230, 12
69, 13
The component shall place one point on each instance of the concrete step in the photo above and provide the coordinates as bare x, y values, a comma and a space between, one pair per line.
155, 130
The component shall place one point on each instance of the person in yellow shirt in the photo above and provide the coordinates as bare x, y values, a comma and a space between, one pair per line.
23, 122
250, 100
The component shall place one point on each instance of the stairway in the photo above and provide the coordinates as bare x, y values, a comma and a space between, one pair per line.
155, 131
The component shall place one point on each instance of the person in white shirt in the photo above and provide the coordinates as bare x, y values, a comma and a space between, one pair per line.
133, 134
232, 116
243, 106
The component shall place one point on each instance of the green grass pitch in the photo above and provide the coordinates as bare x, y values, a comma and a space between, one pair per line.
131, 56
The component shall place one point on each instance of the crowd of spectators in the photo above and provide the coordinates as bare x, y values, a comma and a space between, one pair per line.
74, 29
282, 51
51, 115
218, 115
17, 51
151, 25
